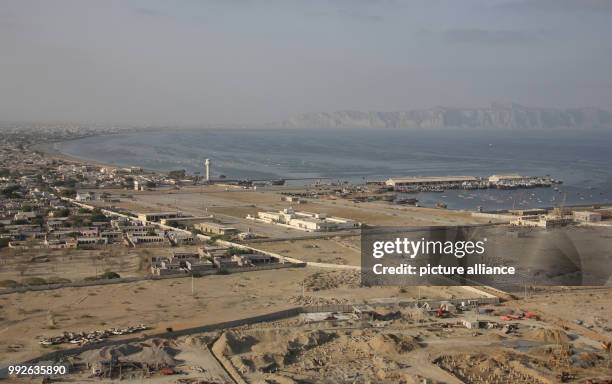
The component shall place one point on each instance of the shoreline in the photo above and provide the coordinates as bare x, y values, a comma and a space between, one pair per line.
49, 150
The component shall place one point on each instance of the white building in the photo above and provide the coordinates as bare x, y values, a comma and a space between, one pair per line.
306, 221
85, 196
157, 216
429, 181
587, 216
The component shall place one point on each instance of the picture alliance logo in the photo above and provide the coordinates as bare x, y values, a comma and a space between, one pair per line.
411, 248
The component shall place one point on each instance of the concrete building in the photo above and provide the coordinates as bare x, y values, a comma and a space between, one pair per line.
181, 238
587, 216
428, 181
157, 216
91, 242
253, 259
541, 221
306, 221
528, 212
147, 240
215, 228
212, 251
224, 262
185, 221
138, 229
293, 199
112, 236
85, 196
180, 263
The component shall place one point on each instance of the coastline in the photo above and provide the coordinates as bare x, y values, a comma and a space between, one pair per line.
49, 150
52, 150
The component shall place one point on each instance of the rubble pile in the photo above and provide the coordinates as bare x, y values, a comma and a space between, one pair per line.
340, 356
312, 300
82, 338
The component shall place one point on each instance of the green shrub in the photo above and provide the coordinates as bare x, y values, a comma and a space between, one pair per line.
237, 251
58, 280
9, 284
109, 275
34, 281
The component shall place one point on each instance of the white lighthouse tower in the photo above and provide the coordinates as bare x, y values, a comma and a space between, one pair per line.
207, 169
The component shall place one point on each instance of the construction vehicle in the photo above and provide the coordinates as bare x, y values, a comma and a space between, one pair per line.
442, 313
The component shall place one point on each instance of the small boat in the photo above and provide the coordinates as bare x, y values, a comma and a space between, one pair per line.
408, 201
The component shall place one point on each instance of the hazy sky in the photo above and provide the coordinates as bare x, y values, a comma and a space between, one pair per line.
240, 61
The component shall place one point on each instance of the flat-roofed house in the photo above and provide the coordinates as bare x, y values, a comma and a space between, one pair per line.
215, 228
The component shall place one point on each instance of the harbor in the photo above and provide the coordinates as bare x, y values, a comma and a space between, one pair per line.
443, 183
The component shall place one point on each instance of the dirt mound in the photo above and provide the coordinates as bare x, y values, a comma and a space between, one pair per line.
312, 339
585, 359
201, 340
266, 351
155, 352
550, 336
486, 369
236, 344
390, 343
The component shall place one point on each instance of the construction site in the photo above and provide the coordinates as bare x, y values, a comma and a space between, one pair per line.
481, 340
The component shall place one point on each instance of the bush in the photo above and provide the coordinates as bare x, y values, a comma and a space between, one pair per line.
34, 281
237, 251
223, 272
68, 193
91, 278
58, 280
109, 275
64, 212
9, 284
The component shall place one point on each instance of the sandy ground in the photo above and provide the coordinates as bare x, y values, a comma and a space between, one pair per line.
400, 345
344, 250
77, 264
168, 303
234, 203
587, 306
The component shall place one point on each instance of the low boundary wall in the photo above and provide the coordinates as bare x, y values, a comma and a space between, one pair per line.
147, 278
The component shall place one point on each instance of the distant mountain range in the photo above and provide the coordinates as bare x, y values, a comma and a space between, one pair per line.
508, 116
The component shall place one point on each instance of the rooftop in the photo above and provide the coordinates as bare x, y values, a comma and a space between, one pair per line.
430, 179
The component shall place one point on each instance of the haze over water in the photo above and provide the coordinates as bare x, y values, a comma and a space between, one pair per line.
582, 160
